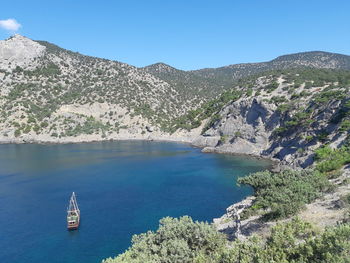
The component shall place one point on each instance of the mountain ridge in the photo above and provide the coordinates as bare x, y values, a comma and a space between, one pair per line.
47, 93
290, 56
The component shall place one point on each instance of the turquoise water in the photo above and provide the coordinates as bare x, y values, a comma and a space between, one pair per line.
123, 188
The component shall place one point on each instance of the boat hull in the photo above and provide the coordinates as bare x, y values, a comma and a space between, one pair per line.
73, 226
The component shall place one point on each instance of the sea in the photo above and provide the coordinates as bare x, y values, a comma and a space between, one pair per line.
123, 188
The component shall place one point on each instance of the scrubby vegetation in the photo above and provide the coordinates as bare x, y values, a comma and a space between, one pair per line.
169, 99
279, 195
185, 241
176, 240
194, 118
297, 81
330, 160
90, 126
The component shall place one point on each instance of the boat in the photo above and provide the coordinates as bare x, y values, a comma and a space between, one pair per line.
73, 213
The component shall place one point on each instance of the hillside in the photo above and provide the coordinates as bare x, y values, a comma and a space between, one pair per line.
316, 59
213, 81
50, 94
187, 82
284, 115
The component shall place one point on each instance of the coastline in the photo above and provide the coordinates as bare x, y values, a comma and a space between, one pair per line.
200, 142
90, 139
196, 141
191, 140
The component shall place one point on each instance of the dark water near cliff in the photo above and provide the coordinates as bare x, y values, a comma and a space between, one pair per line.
122, 188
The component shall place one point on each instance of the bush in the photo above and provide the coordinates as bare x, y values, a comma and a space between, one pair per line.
223, 139
17, 132
27, 129
344, 126
329, 159
283, 108
285, 193
271, 87
176, 240
289, 242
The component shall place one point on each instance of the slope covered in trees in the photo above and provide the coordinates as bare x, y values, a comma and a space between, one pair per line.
182, 240
47, 92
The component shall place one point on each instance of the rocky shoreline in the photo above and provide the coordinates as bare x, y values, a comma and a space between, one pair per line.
230, 222
194, 141
227, 223
45, 139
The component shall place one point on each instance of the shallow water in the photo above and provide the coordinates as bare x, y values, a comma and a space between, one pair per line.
123, 188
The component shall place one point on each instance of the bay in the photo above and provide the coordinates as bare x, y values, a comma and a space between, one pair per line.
123, 188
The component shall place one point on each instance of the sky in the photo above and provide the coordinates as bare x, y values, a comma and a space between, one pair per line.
186, 34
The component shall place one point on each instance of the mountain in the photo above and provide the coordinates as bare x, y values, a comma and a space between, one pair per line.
211, 82
187, 82
48, 93
284, 115
317, 59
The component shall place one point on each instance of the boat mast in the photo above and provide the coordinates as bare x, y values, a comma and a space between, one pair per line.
73, 205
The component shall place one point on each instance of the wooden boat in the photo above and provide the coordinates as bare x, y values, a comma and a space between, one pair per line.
73, 213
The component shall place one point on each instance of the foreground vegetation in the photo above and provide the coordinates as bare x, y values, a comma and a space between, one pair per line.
183, 240
279, 195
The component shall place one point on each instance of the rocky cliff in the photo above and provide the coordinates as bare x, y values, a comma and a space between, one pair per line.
287, 122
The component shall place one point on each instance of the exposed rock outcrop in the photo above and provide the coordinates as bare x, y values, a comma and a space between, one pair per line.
254, 126
19, 51
230, 222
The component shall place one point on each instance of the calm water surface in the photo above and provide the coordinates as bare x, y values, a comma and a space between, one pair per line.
123, 188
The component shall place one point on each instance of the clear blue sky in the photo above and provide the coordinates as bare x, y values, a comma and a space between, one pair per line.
185, 34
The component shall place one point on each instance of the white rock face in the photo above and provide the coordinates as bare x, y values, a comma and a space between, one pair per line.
19, 51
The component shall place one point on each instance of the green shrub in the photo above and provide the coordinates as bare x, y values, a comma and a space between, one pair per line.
36, 128
328, 159
44, 124
90, 126
17, 132
238, 134
295, 241
223, 138
309, 138
284, 108
323, 136
271, 87
27, 129
278, 99
249, 92
176, 240
328, 94
344, 126
279, 130
285, 193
